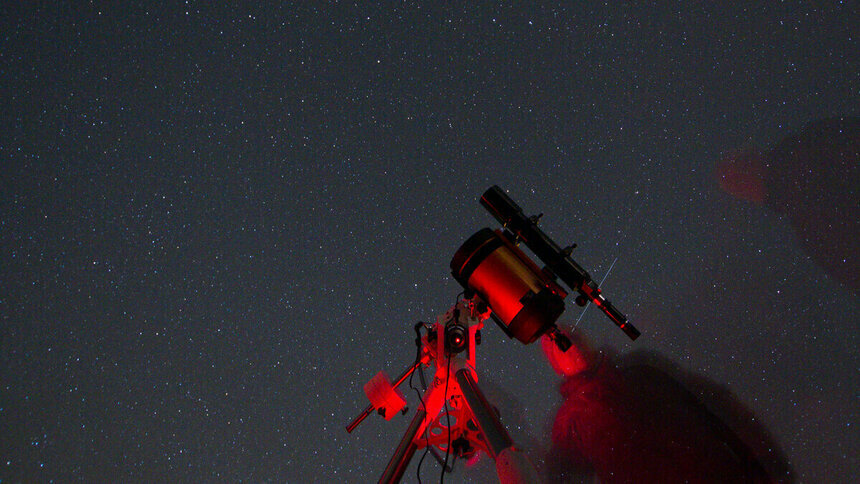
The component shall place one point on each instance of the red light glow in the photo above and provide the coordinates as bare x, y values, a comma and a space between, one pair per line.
742, 174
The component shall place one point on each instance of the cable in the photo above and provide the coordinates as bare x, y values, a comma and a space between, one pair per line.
426, 450
448, 416
420, 398
447, 379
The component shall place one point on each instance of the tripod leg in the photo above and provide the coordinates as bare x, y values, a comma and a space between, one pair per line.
512, 465
404, 452
488, 421
433, 401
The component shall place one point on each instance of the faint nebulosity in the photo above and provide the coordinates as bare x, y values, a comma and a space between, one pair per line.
217, 223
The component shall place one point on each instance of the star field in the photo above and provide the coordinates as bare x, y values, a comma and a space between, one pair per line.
217, 223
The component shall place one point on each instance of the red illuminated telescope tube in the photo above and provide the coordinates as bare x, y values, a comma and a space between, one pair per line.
511, 216
525, 301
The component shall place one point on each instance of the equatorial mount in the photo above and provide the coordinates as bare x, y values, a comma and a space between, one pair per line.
454, 416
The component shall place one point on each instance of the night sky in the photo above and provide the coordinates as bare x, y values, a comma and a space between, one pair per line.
217, 223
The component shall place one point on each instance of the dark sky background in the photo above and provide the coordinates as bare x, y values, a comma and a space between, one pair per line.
217, 223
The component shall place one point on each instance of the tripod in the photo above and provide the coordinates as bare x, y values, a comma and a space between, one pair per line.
454, 415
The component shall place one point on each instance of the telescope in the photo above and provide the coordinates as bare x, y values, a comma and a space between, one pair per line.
526, 300
500, 282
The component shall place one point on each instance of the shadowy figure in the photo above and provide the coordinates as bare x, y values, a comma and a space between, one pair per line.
640, 419
813, 178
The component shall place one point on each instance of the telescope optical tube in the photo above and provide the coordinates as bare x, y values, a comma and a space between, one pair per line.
524, 301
